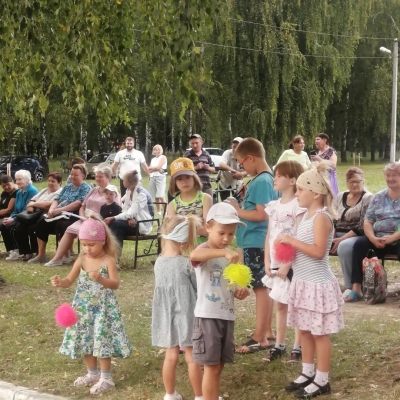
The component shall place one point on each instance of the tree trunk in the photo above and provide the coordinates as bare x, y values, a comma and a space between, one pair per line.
387, 151
343, 144
173, 138
180, 141
43, 134
147, 148
83, 142
372, 151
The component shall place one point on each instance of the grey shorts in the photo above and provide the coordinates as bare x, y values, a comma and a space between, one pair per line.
157, 186
213, 341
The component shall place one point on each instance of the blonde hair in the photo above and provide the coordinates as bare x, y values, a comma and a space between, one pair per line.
173, 189
392, 166
323, 169
82, 168
171, 222
158, 147
111, 247
250, 146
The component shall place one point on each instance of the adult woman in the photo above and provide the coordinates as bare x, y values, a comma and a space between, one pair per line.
381, 227
92, 202
326, 152
24, 233
137, 206
157, 169
296, 153
70, 199
25, 193
7, 197
351, 206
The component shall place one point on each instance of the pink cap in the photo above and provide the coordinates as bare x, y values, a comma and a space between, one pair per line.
92, 229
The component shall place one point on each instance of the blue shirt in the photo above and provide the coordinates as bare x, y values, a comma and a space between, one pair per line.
22, 199
259, 191
70, 193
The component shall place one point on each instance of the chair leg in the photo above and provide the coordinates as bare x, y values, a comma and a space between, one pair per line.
135, 257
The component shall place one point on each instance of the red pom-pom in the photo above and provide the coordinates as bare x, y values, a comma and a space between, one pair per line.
66, 316
284, 253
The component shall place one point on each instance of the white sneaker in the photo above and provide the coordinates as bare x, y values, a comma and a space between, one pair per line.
175, 396
67, 260
14, 255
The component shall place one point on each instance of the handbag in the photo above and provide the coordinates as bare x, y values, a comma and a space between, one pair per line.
29, 217
375, 279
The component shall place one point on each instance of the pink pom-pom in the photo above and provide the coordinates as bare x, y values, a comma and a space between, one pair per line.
284, 253
66, 316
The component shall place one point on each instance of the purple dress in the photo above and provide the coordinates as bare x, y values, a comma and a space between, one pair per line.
326, 155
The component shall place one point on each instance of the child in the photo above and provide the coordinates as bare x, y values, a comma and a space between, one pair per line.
315, 301
99, 333
174, 301
190, 200
250, 154
111, 208
213, 343
284, 215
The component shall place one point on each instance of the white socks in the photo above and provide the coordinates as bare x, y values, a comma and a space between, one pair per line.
308, 370
321, 378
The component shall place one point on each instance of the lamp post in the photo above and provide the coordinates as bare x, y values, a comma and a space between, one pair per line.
395, 56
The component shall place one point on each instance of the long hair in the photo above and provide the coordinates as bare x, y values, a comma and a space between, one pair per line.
323, 169
171, 222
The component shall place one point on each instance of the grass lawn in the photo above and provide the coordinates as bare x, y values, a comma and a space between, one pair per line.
365, 360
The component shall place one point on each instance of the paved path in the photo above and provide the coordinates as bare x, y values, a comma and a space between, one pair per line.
12, 392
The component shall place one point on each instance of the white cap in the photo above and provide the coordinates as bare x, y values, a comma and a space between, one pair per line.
237, 139
111, 188
224, 214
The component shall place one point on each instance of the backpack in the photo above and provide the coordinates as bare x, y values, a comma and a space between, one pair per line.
375, 279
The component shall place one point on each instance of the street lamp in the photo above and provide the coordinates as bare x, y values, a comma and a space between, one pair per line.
395, 56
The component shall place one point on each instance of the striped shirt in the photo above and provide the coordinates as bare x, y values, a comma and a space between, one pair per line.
307, 268
203, 174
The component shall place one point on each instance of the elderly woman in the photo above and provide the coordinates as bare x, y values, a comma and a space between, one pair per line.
92, 202
138, 206
296, 152
158, 179
24, 232
7, 197
381, 228
70, 199
326, 152
351, 206
25, 193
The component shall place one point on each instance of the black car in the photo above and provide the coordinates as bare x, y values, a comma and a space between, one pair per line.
29, 163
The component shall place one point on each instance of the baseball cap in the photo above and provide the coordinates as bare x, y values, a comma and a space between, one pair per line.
182, 166
111, 188
237, 139
195, 136
224, 214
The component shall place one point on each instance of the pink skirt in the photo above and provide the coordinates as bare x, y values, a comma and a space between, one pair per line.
74, 228
315, 307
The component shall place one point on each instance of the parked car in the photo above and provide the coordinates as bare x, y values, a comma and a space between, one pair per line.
216, 155
99, 159
30, 163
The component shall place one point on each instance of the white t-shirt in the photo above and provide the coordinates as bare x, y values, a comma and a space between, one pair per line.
282, 221
227, 180
214, 298
153, 163
129, 161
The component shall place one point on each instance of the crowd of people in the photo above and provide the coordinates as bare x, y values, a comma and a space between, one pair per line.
295, 203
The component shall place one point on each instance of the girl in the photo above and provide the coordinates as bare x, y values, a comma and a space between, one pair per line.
100, 332
174, 301
190, 200
315, 300
284, 215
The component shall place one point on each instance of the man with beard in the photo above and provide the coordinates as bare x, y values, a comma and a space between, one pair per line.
129, 160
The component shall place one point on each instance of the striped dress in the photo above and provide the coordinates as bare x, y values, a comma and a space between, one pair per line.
315, 300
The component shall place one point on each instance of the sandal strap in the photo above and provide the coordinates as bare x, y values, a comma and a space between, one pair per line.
316, 384
308, 377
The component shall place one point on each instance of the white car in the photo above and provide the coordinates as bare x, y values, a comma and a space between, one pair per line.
216, 155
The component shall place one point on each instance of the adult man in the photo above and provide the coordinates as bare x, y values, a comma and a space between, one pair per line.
129, 159
231, 174
203, 164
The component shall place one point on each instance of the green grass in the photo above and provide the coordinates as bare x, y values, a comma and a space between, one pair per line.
365, 356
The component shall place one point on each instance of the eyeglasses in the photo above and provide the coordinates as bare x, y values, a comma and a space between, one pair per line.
242, 162
354, 182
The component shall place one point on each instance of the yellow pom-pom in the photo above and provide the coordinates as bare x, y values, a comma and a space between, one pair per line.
238, 274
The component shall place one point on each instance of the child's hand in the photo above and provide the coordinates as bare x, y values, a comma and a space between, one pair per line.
108, 220
286, 239
56, 281
268, 272
283, 270
241, 294
231, 256
94, 275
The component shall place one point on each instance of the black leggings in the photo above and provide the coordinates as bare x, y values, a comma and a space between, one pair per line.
58, 227
25, 237
8, 236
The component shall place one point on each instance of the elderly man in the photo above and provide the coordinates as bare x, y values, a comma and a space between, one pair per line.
202, 161
129, 160
231, 174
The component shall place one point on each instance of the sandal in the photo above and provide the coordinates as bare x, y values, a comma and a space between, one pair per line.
87, 380
253, 346
302, 394
102, 386
352, 297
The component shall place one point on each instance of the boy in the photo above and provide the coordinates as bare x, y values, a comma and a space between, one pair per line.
111, 208
213, 343
250, 154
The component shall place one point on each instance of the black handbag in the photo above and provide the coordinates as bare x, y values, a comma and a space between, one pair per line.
29, 217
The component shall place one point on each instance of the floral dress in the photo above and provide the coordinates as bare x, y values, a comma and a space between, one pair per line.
100, 330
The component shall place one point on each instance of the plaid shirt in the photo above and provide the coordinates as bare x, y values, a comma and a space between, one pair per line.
205, 158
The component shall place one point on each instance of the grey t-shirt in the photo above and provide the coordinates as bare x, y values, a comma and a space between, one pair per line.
214, 298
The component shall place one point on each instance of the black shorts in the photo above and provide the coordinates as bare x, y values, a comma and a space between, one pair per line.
254, 259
